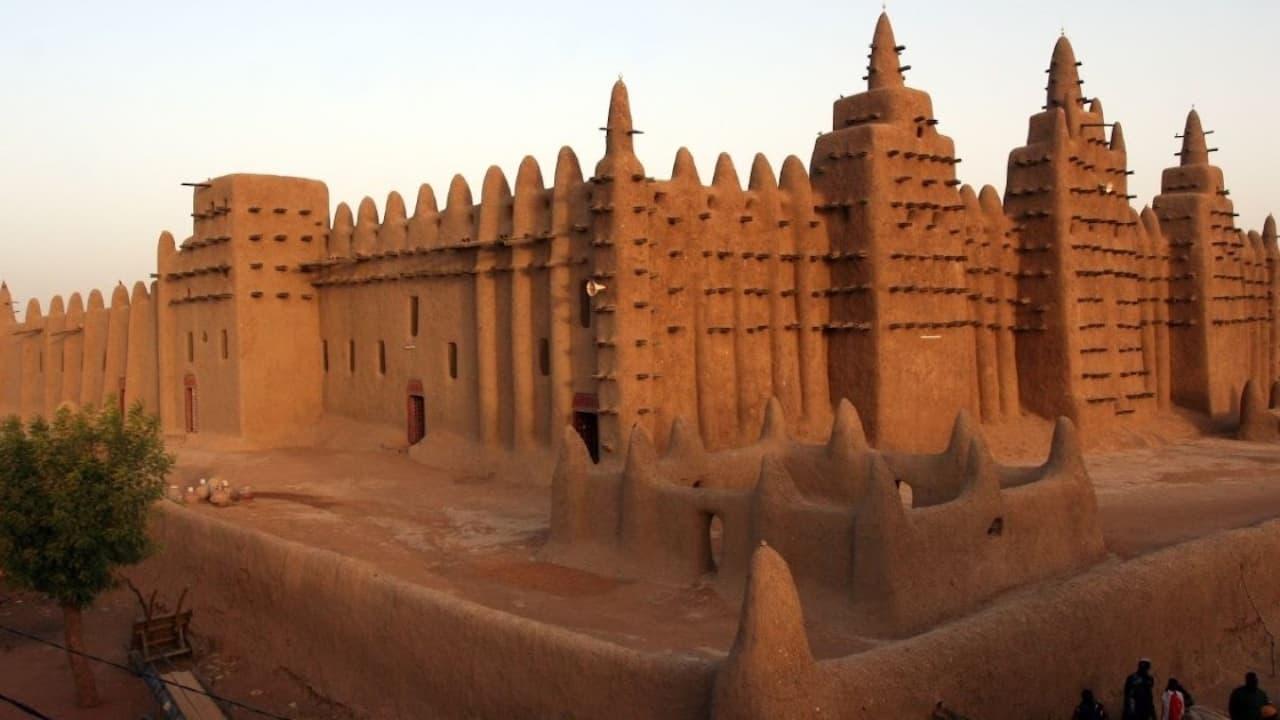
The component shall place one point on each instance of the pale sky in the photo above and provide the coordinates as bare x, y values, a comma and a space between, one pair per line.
108, 106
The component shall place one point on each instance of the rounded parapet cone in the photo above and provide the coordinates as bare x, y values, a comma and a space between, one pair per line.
570, 513
774, 427
684, 169
495, 205
95, 300
762, 179
120, 296
725, 176
394, 231
341, 231
424, 226
769, 673
455, 221
363, 240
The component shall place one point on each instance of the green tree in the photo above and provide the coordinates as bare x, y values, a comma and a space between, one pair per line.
74, 499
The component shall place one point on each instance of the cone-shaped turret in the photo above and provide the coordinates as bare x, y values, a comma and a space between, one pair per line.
6, 307
619, 130
847, 434
1195, 151
120, 296
1064, 449
767, 673
1064, 77
884, 70
1117, 138
340, 234
774, 428
772, 501
1257, 423
684, 167
684, 442
1269, 232
569, 510
725, 175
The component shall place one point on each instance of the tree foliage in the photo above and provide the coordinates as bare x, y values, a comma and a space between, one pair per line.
74, 497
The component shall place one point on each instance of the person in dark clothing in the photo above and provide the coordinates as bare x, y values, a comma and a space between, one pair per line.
1089, 708
1247, 701
1139, 694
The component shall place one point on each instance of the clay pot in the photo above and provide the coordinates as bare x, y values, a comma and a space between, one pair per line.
220, 497
173, 493
245, 492
189, 496
202, 491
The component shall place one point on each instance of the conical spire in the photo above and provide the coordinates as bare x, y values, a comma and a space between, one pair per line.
684, 167
618, 131
1195, 151
1064, 78
769, 666
1117, 138
884, 71
1269, 231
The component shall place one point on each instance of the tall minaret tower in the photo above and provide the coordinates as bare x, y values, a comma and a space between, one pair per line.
620, 204
1212, 320
901, 335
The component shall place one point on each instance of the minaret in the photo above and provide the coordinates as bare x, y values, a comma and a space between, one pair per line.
885, 186
1080, 339
620, 204
1210, 325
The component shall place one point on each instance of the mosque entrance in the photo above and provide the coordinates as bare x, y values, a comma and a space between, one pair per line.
588, 426
586, 420
416, 413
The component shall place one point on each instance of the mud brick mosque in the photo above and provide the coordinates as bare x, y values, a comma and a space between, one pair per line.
609, 300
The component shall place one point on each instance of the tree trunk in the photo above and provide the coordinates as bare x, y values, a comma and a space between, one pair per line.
73, 632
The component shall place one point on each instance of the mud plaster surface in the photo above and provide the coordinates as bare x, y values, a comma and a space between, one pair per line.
476, 537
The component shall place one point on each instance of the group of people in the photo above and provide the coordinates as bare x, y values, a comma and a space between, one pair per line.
1247, 702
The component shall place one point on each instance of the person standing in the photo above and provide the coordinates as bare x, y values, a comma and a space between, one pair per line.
1175, 701
1089, 708
1139, 693
1248, 700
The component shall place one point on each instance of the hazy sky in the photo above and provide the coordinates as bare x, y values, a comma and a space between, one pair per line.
108, 106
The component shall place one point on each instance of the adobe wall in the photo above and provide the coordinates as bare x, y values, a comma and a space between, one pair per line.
1030, 655
389, 649
974, 528
498, 286
386, 648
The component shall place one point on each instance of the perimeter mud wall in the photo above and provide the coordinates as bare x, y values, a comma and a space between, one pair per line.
386, 648
389, 649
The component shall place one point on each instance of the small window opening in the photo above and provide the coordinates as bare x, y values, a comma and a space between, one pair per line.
40, 360
226, 350
382, 357
906, 494
544, 357
204, 337
324, 354
191, 347
413, 316
996, 529
715, 542
351, 356
104, 361
453, 360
